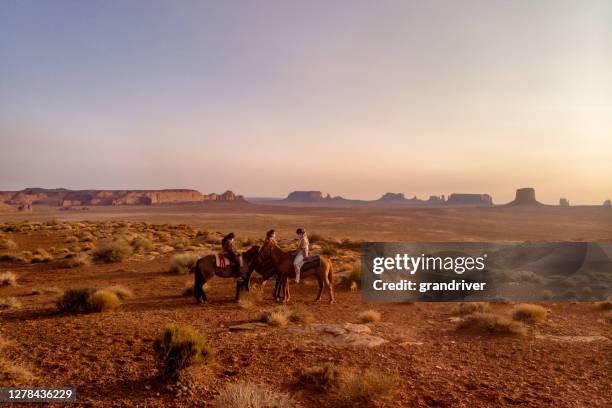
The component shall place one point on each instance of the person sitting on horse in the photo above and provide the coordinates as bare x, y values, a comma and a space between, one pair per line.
301, 253
229, 251
270, 238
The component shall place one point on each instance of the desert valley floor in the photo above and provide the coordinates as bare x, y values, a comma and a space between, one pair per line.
564, 360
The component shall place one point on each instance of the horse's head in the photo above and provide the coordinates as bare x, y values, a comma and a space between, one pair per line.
251, 254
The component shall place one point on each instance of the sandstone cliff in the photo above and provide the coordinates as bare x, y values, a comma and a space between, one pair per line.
67, 198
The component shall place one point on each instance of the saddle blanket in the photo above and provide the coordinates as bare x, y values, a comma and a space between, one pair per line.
222, 261
313, 261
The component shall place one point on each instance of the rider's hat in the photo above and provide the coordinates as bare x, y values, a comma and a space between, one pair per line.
299, 231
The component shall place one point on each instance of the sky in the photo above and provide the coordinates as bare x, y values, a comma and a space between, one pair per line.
355, 98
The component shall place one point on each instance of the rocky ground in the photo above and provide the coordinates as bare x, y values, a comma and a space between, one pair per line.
563, 361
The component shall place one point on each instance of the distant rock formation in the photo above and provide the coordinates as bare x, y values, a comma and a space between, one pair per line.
461, 199
564, 202
525, 197
4, 208
24, 199
392, 198
607, 203
306, 197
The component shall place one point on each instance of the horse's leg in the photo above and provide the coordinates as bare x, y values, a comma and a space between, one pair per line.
329, 281
320, 281
238, 286
198, 283
285, 289
277, 288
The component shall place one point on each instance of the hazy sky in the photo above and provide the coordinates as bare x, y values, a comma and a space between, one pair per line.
354, 98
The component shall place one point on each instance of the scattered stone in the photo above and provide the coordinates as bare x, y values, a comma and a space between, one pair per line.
248, 326
572, 339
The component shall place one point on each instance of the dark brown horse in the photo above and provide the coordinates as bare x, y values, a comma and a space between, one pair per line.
283, 262
205, 268
267, 270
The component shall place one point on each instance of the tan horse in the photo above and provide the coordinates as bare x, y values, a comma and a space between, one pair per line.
284, 266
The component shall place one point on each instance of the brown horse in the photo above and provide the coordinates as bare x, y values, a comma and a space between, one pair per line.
267, 270
284, 265
206, 268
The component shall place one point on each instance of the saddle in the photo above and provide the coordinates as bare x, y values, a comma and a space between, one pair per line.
310, 262
222, 261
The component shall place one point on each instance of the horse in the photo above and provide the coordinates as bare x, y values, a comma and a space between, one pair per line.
284, 265
266, 269
205, 268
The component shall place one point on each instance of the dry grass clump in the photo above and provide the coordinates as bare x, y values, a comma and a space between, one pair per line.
87, 300
85, 236
8, 244
250, 299
251, 395
75, 260
471, 307
121, 291
178, 348
142, 244
369, 316
490, 323
320, 378
113, 251
364, 387
529, 313
8, 279
329, 249
71, 239
104, 301
181, 264
11, 373
10, 303
41, 256
279, 316
301, 316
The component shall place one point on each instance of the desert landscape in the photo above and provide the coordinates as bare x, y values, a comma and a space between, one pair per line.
133, 261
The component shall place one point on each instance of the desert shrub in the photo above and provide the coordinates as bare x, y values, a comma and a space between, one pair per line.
251, 395
178, 348
301, 316
529, 313
489, 323
279, 316
85, 236
9, 303
8, 279
113, 251
320, 378
250, 299
329, 249
364, 387
471, 307
8, 244
369, 316
104, 300
180, 243
142, 244
41, 256
74, 260
121, 291
182, 264
212, 240
71, 239
76, 300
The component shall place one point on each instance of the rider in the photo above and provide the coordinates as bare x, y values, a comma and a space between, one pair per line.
229, 250
270, 238
301, 253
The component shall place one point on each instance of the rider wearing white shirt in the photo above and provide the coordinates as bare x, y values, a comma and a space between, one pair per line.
301, 253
